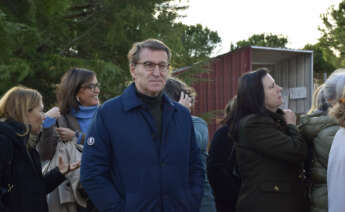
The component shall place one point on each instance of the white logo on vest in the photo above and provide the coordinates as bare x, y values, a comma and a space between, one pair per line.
91, 141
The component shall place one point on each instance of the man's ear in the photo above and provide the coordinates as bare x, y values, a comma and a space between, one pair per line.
132, 70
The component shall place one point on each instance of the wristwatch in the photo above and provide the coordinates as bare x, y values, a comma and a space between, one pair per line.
77, 133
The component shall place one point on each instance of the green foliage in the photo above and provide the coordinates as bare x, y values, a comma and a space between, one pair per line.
41, 39
333, 33
268, 40
322, 58
194, 44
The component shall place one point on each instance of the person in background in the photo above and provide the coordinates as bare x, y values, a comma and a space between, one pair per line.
269, 150
219, 175
141, 153
77, 98
182, 93
319, 129
318, 102
23, 187
336, 161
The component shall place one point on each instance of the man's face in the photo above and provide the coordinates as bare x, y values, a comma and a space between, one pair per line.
150, 79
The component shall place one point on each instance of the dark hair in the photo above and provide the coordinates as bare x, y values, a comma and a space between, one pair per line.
175, 86
153, 44
229, 107
250, 98
69, 86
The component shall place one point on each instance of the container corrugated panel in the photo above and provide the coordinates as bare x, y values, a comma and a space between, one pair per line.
221, 84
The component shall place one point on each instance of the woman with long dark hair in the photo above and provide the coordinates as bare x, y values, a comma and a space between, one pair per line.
269, 150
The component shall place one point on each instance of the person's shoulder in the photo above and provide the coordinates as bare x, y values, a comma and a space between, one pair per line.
198, 120
9, 128
253, 119
222, 130
178, 107
221, 133
110, 104
5, 145
318, 122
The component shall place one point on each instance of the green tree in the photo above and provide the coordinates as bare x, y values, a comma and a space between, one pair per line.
268, 40
41, 39
333, 33
321, 58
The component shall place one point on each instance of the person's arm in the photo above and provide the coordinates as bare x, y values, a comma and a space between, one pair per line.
201, 134
264, 137
56, 176
96, 168
51, 116
52, 179
197, 173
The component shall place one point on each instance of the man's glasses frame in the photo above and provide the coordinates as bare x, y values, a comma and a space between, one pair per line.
150, 66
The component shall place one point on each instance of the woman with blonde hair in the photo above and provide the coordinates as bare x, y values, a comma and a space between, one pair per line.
319, 129
336, 160
318, 102
23, 187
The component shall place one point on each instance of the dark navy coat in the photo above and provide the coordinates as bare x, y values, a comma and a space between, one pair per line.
30, 187
122, 169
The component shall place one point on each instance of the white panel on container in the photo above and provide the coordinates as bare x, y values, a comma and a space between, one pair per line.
298, 93
285, 96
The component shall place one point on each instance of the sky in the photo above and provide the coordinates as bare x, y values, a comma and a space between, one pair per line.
236, 20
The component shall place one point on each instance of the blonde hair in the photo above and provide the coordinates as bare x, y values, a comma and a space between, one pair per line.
17, 102
338, 110
318, 100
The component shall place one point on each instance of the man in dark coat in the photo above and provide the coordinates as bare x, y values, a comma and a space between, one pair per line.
141, 153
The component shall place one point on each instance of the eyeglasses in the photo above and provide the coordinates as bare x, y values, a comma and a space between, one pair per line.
92, 86
150, 66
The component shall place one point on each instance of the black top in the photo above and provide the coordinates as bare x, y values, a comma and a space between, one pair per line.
154, 105
219, 172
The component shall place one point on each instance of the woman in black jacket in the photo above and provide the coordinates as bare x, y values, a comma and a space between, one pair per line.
225, 188
269, 150
23, 187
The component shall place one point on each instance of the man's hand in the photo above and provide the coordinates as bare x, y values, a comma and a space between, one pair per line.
185, 100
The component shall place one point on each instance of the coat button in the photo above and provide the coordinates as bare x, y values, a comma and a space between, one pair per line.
276, 188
